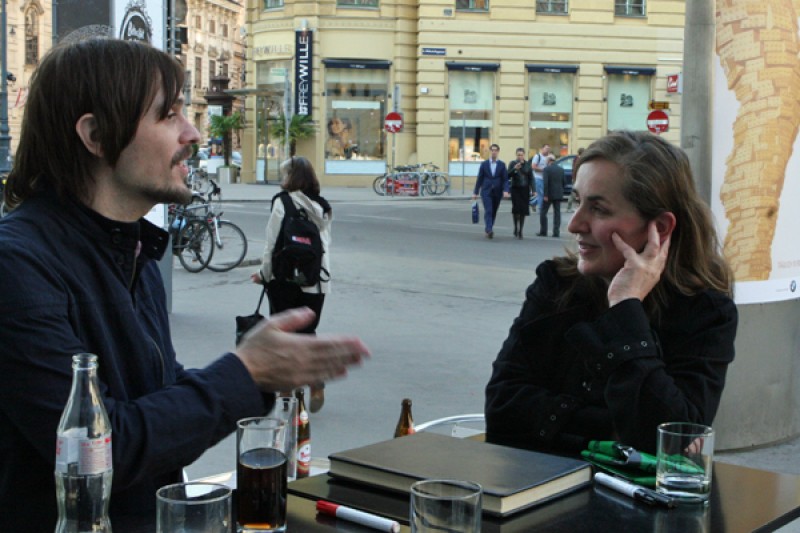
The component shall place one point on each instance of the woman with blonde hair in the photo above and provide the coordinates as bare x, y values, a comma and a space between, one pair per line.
300, 184
634, 329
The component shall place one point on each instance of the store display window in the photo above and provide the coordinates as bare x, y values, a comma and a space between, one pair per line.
472, 96
629, 95
551, 90
271, 82
356, 104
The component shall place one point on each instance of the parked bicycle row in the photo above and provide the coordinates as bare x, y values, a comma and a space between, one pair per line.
201, 238
412, 180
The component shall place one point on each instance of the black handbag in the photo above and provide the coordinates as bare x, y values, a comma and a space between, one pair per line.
246, 323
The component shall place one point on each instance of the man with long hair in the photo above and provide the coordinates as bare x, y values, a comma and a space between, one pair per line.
103, 140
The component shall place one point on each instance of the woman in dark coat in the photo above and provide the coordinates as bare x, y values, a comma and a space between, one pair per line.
634, 328
521, 176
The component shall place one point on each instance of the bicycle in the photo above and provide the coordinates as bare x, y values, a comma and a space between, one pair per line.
197, 179
383, 185
191, 236
433, 182
230, 242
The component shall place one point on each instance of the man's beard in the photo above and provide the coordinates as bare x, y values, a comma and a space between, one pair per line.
172, 194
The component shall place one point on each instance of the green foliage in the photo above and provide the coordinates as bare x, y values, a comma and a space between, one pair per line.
301, 127
222, 126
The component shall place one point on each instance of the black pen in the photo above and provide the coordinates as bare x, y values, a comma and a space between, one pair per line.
636, 492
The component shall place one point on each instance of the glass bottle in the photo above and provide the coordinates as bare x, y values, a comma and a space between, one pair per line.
303, 436
83, 454
405, 426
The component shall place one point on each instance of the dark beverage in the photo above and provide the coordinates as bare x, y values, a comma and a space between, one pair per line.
261, 490
405, 426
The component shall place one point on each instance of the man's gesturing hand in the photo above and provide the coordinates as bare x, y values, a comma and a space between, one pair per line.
280, 360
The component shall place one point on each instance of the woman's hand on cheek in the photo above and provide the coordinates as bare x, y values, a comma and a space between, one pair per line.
642, 270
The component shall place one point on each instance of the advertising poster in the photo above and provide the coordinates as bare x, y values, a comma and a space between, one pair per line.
756, 151
140, 20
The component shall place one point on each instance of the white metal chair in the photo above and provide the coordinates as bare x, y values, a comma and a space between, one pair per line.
460, 426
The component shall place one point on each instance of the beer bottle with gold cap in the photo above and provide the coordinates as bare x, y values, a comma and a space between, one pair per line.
303, 436
405, 426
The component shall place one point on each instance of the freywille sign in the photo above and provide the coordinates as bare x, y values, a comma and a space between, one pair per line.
303, 55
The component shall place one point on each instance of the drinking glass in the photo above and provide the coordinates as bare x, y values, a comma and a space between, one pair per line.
286, 409
685, 454
193, 508
445, 505
261, 475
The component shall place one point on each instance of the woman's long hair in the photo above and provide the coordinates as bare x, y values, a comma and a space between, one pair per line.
299, 175
656, 178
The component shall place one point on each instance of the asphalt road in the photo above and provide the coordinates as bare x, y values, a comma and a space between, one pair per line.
421, 285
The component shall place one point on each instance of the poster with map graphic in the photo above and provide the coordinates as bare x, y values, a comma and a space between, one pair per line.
756, 150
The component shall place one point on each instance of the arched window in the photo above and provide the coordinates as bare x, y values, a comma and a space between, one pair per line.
31, 37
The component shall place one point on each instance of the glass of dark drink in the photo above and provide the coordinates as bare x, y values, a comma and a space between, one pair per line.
261, 475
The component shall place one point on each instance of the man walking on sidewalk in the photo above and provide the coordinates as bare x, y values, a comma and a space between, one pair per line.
538, 164
493, 186
553, 190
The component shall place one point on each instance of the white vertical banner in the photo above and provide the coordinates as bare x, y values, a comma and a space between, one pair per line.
140, 20
756, 151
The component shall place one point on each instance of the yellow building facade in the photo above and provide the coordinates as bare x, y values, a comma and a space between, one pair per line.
463, 74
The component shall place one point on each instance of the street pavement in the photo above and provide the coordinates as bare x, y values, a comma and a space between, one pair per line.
403, 322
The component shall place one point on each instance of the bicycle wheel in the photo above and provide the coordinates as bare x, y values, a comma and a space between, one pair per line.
195, 245
439, 184
230, 246
379, 185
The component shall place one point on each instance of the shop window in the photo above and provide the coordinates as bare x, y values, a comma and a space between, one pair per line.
270, 80
472, 5
552, 7
273, 4
630, 8
355, 109
357, 3
31, 37
628, 99
550, 96
471, 96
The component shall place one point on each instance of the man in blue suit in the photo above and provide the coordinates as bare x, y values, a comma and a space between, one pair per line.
493, 186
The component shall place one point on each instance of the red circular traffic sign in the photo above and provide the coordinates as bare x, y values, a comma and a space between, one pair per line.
393, 122
657, 121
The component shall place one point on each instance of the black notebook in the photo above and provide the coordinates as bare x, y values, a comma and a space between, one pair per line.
512, 479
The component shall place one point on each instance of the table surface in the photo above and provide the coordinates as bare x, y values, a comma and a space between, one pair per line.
742, 500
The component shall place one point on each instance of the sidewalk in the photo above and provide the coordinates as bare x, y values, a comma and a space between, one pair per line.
259, 192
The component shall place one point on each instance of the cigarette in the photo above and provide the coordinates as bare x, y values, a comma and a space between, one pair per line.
359, 517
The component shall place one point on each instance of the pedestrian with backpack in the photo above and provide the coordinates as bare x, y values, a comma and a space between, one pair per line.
296, 263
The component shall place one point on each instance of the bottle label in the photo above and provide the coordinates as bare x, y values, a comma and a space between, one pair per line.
303, 456
92, 456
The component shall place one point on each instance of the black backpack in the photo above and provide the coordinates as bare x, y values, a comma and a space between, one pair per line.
297, 257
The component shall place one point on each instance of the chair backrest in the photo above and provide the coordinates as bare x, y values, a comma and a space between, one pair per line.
460, 426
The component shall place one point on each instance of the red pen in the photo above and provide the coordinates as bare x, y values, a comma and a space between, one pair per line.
359, 517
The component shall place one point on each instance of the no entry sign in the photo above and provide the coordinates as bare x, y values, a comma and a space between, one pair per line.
393, 122
657, 121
